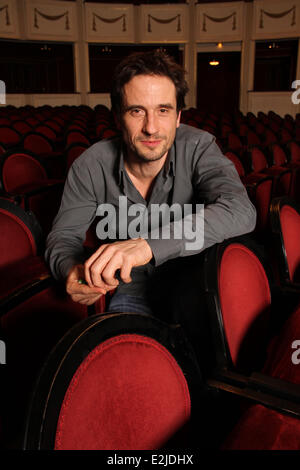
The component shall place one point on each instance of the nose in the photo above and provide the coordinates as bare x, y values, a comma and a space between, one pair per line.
150, 125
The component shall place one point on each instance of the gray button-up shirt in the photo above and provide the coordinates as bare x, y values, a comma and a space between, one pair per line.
195, 172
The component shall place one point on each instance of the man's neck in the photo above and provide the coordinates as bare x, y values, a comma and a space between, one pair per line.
143, 174
142, 170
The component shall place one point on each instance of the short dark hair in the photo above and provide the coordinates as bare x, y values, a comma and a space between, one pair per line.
154, 62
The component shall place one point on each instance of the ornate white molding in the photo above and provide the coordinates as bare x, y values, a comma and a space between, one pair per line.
9, 24
276, 19
48, 20
37, 13
277, 15
109, 20
164, 23
219, 22
113, 23
5, 9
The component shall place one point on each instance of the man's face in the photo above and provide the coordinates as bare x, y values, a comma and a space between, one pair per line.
149, 118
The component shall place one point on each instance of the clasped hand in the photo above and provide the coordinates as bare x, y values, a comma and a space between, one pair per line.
99, 271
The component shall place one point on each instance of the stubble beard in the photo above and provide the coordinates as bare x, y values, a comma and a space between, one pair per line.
149, 155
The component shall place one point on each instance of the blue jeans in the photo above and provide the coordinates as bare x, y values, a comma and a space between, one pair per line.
129, 303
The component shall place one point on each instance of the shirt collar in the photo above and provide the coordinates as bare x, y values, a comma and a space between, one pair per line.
169, 166
121, 167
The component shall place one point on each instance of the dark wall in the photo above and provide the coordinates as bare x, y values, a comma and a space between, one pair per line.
218, 87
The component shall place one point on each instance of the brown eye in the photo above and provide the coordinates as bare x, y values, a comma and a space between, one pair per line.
137, 112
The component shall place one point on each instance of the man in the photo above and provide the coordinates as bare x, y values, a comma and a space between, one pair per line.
157, 162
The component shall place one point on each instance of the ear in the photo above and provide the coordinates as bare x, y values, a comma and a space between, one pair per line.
178, 119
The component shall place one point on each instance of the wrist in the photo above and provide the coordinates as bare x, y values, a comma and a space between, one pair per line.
147, 248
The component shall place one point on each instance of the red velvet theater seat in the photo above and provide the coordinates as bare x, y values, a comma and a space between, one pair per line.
48, 132
73, 151
285, 224
21, 241
240, 307
24, 179
115, 382
246, 315
77, 137
264, 428
282, 175
252, 338
21, 126
260, 191
9, 137
294, 151
280, 159
44, 148
34, 316
20, 235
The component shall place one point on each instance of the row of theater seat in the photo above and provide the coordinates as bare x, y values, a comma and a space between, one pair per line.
33, 166
213, 362
71, 372
47, 130
39, 161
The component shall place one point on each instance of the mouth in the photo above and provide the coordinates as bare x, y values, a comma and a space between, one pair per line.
150, 143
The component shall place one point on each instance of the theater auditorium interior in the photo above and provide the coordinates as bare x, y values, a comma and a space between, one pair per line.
224, 374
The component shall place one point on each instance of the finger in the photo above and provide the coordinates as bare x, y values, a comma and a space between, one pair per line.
85, 299
82, 289
109, 262
125, 271
109, 273
90, 262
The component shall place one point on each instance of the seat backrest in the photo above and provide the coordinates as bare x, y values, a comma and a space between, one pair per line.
47, 131
76, 137
234, 142
258, 160
108, 133
279, 156
290, 227
4, 121
243, 129
53, 125
294, 149
33, 121
22, 127
261, 194
253, 138
244, 301
20, 169
74, 151
270, 137
36, 312
237, 162
20, 233
285, 135
9, 136
127, 390
37, 143
259, 128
